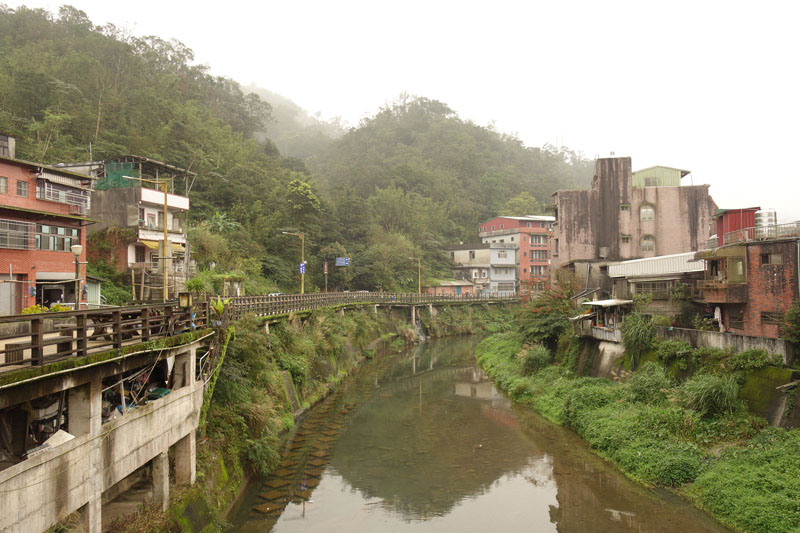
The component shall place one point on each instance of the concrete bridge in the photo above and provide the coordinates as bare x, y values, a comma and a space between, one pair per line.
93, 402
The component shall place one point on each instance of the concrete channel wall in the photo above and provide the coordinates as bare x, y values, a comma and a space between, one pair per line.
738, 343
43, 490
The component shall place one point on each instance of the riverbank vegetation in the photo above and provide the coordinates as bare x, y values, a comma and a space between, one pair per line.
678, 421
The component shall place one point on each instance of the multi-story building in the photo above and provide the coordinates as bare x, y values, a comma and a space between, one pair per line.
627, 215
752, 280
43, 215
531, 236
130, 210
491, 267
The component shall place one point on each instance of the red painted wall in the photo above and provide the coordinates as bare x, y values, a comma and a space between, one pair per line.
735, 220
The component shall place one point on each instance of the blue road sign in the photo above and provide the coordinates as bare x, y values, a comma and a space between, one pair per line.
342, 261
302, 268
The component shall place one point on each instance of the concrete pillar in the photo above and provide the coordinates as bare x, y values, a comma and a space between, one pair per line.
161, 481
430, 309
266, 328
413, 315
85, 404
185, 460
375, 310
183, 372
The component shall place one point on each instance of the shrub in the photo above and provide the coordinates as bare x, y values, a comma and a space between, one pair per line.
670, 350
638, 334
710, 395
649, 384
534, 358
752, 360
661, 462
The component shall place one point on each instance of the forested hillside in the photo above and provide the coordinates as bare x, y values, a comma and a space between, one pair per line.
403, 184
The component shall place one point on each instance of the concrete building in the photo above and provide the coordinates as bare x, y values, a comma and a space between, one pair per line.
752, 281
43, 214
531, 235
627, 215
491, 267
137, 208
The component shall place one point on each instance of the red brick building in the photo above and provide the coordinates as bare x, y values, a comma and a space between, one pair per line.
753, 282
531, 235
42, 215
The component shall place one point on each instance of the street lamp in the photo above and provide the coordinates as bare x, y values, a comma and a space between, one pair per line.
419, 274
166, 255
77, 249
302, 258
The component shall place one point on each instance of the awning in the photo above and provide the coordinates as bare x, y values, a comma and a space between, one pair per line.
583, 317
724, 251
154, 245
608, 303
178, 247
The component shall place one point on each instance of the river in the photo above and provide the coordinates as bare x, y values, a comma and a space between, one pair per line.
422, 441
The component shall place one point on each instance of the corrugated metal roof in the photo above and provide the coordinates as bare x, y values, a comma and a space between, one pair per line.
663, 265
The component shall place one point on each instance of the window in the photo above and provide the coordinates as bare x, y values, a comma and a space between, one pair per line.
472, 254
501, 226
538, 270
625, 208
3, 185
626, 239
771, 317
15, 235
524, 254
659, 289
539, 239
151, 221
555, 247
502, 254
502, 240
22, 188
538, 255
524, 270
771, 259
647, 244
492, 228
56, 238
647, 212
736, 270
512, 239
139, 254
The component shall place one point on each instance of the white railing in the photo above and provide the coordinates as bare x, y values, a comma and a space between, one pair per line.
762, 233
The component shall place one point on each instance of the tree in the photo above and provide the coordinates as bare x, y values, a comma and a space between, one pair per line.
521, 205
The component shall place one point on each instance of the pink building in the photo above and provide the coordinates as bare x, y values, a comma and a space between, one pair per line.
628, 215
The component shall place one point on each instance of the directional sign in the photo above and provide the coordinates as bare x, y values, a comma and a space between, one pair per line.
342, 261
303, 268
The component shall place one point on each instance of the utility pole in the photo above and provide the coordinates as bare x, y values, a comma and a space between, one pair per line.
302, 237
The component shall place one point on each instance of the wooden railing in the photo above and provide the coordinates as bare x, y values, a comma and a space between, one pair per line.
287, 303
47, 337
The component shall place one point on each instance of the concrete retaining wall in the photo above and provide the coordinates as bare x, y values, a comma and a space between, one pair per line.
739, 343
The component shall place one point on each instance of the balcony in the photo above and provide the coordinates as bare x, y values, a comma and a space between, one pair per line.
763, 233
78, 201
149, 226
723, 291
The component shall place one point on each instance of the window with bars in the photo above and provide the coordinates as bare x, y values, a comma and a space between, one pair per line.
538, 255
22, 188
3, 185
771, 317
15, 235
56, 238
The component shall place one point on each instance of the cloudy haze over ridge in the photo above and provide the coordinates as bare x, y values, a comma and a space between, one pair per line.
711, 87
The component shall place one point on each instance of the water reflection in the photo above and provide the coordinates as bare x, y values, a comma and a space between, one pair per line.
423, 441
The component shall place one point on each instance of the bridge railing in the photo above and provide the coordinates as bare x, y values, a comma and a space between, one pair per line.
42, 338
287, 303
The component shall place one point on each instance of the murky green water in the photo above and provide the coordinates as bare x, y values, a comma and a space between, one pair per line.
422, 441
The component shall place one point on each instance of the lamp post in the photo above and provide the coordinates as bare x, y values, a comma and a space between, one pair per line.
166, 252
302, 237
419, 273
77, 249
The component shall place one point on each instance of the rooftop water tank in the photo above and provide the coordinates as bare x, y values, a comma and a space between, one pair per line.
766, 222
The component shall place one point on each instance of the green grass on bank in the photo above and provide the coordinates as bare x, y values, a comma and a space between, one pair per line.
696, 436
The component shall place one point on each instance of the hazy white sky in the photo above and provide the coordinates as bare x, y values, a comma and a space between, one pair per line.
713, 87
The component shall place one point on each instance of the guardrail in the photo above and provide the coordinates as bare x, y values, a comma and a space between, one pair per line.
287, 303
762, 233
42, 338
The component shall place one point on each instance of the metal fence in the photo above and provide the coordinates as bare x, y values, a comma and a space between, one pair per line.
763, 233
